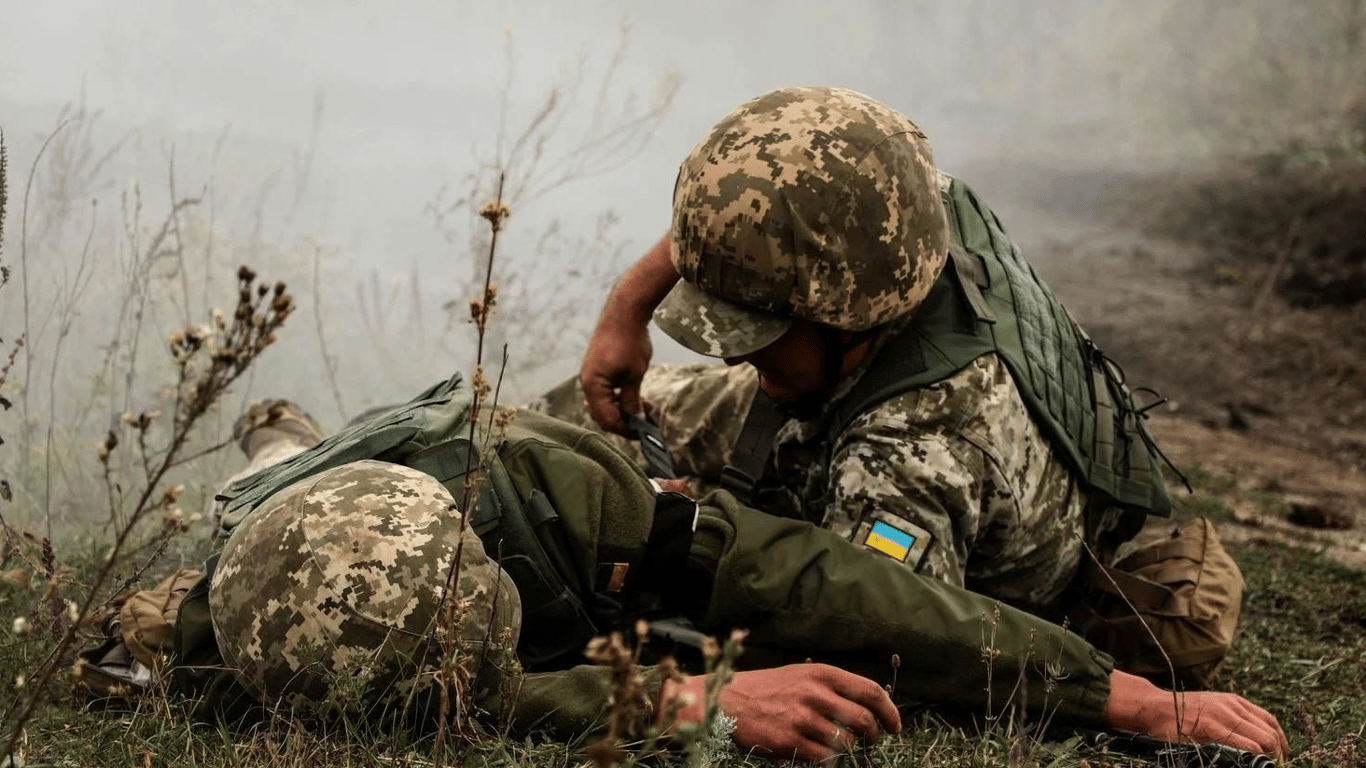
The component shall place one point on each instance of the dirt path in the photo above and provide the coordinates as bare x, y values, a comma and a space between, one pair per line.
1328, 499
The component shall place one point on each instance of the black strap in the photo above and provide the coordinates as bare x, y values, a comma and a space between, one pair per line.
752, 448
666, 551
658, 462
526, 538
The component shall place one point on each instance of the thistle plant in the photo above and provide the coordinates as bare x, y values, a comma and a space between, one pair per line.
207, 360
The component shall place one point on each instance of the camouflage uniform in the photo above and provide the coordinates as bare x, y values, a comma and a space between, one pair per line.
846, 229
821, 204
961, 459
800, 591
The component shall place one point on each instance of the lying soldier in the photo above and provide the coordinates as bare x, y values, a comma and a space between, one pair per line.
336, 566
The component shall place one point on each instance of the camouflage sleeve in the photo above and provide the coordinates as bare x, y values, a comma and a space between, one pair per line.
570, 705
699, 408
808, 592
964, 461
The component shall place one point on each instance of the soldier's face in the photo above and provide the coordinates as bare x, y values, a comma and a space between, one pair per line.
792, 370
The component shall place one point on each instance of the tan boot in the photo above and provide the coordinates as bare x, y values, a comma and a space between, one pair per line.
269, 421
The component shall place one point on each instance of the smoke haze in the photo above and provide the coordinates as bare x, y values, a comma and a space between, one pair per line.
322, 135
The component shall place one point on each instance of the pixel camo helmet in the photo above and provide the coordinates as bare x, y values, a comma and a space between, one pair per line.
343, 575
814, 203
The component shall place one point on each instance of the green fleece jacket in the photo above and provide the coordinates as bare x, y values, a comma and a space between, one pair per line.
803, 592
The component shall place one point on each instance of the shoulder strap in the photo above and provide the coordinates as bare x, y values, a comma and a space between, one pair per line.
750, 453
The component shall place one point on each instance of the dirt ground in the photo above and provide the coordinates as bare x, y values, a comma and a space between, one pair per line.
1239, 294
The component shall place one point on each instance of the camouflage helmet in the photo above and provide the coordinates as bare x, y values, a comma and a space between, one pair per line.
814, 203
341, 577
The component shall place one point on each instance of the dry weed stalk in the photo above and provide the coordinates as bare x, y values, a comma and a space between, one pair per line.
704, 742
550, 150
459, 663
632, 716
208, 359
5, 492
4, 199
630, 709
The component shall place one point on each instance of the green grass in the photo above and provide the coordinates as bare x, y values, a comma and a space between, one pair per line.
1302, 649
1211, 494
1215, 495
1301, 654
1215, 508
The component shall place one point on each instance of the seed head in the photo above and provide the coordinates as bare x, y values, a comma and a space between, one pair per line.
495, 213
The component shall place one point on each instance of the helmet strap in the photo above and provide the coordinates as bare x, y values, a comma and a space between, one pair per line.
836, 345
833, 349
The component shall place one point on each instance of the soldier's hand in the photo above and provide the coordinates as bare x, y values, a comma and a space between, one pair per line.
620, 350
805, 712
613, 367
1202, 716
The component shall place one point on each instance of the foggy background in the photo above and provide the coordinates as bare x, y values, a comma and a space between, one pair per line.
331, 144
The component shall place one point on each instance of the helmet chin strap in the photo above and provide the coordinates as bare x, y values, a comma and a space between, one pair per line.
836, 344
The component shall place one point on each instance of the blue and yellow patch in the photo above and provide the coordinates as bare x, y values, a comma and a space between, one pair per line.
894, 537
890, 541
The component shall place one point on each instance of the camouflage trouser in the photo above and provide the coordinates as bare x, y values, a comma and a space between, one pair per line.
1006, 515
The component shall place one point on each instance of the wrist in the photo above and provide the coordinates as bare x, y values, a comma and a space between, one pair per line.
680, 703
1129, 695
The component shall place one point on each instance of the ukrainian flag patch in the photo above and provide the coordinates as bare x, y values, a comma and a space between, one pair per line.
894, 543
895, 537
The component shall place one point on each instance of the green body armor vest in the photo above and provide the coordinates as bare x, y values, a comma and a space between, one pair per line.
988, 299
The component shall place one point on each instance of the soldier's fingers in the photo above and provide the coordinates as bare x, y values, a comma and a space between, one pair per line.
819, 739
603, 405
1282, 744
1251, 727
1240, 732
1267, 738
854, 721
1262, 744
628, 399
1267, 730
869, 696
813, 751
840, 739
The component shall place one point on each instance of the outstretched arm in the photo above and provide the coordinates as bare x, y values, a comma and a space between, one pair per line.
1201, 716
620, 349
805, 590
